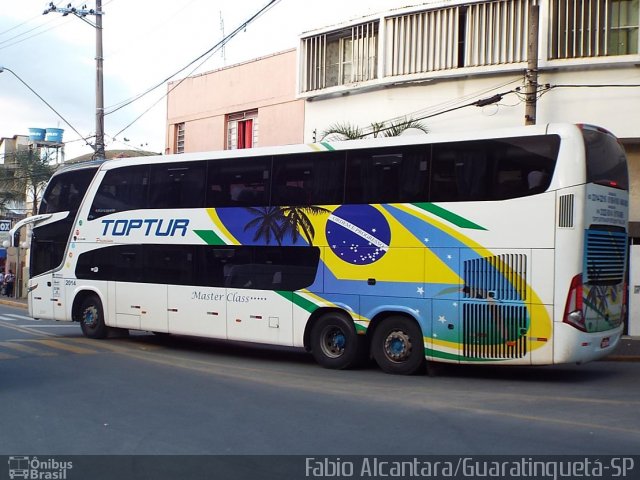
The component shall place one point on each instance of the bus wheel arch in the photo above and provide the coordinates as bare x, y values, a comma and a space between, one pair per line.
332, 339
88, 310
397, 343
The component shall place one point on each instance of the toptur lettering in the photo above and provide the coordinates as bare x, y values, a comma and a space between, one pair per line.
157, 227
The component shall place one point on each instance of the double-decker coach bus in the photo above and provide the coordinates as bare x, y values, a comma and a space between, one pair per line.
497, 247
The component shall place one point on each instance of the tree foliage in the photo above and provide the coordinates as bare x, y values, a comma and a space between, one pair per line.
23, 177
349, 131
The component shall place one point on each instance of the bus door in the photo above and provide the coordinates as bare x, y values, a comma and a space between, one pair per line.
43, 292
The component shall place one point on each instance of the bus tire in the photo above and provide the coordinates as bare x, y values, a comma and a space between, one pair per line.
92, 318
335, 343
398, 346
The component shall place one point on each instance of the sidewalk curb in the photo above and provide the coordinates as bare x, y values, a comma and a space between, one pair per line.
13, 303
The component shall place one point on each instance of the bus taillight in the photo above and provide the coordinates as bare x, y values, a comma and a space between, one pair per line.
573, 314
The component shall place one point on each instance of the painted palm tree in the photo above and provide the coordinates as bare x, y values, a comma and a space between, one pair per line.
273, 223
297, 221
269, 223
348, 131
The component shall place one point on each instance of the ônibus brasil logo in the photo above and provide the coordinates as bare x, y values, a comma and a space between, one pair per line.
38, 469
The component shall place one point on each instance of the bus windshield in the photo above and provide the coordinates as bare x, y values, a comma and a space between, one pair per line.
66, 190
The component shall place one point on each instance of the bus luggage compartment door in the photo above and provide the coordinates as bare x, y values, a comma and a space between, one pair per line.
141, 306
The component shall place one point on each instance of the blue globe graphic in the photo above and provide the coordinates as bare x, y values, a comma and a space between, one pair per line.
358, 234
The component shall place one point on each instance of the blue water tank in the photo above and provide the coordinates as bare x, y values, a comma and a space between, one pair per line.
54, 135
36, 134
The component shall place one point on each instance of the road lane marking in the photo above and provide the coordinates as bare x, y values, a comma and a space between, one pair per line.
15, 345
20, 317
64, 346
2, 317
51, 326
30, 331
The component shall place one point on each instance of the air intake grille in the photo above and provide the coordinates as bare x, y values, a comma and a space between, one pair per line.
502, 277
605, 256
493, 331
565, 211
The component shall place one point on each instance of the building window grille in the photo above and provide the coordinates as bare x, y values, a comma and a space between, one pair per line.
593, 28
342, 57
242, 130
179, 138
488, 33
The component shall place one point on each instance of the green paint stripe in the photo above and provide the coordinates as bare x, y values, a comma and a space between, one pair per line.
448, 216
209, 237
327, 146
300, 301
360, 328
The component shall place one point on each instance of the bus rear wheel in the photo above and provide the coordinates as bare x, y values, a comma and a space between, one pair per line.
92, 318
398, 346
335, 343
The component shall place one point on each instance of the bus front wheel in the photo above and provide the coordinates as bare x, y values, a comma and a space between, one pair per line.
335, 343
92, 318
398, 346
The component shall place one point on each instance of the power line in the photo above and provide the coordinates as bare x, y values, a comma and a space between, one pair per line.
44, 101
117, 106
208, 54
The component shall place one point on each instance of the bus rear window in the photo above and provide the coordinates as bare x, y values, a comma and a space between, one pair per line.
606, 160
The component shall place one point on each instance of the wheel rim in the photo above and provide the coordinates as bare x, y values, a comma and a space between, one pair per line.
398, 346
333, 341
90, 316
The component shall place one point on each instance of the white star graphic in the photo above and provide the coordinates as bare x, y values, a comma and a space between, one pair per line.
455, 304
449, 257
442, 319
420, 291
435, 335
426, 240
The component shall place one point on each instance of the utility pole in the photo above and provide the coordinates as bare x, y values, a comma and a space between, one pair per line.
99, 84
531, 75
82, 13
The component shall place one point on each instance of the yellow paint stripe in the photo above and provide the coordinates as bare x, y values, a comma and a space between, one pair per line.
64, 346
20, 347
316, 147
220, 229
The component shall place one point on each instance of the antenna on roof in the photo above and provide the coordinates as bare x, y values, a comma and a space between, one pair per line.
222, 52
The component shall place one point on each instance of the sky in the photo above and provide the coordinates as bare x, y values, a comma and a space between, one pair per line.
144, 43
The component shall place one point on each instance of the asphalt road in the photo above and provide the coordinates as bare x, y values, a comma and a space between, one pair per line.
63, 394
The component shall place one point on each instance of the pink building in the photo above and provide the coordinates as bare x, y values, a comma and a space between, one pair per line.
242, 106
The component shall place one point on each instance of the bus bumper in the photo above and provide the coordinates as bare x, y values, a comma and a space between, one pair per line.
573, 346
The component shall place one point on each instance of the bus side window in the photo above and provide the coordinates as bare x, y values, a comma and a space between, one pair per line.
177, 185
238, 182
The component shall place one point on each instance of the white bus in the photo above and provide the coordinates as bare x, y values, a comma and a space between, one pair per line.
496, 247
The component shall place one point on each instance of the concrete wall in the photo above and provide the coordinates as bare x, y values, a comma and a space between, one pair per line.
266, 84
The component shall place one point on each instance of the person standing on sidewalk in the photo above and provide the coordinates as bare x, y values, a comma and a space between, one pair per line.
9, 280
2, 286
